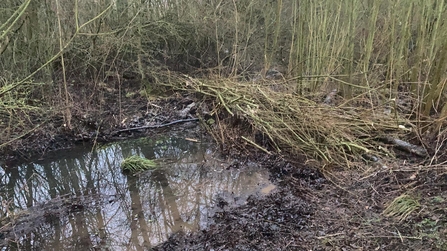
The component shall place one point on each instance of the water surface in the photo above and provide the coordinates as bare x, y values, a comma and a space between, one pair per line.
81, 200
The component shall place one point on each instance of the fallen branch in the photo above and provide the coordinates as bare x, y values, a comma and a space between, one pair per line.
406, 146
154, 126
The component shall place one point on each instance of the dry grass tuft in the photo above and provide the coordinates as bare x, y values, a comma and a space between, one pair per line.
401, 207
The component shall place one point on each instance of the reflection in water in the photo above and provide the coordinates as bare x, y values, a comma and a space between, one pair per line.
112, 210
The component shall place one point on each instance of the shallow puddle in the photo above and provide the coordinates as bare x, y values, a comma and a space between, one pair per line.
81, 199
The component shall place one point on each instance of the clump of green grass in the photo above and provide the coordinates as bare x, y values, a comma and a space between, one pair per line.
135, 164
401, 207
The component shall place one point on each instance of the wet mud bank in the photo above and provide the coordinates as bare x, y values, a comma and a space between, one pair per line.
272, 223
278, 221
137, 116
286, 217
272, 219
307, 209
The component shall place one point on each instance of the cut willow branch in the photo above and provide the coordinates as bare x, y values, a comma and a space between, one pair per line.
154, 126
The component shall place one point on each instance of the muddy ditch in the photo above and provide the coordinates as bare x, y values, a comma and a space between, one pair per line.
81, 199
310, 208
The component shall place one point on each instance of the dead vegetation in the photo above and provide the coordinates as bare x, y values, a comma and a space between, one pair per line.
337, 134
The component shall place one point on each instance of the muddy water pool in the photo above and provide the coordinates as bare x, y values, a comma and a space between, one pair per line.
80, 199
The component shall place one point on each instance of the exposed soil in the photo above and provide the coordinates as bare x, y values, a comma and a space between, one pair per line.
309, 212
311, 209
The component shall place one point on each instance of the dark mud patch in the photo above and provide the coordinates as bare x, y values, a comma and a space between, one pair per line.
342, 211
276, 222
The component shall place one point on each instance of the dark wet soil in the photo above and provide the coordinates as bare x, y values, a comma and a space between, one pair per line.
310, 212
100, 116
311, 209
277, 222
